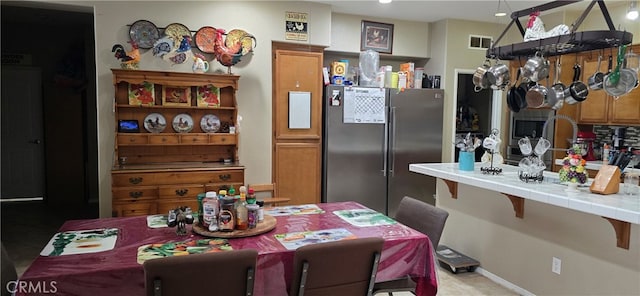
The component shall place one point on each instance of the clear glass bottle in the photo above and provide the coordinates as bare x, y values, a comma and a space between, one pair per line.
242, 219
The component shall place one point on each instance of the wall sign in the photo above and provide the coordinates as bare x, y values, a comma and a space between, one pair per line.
296, 26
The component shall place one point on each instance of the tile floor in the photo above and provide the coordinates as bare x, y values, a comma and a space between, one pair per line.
27, 227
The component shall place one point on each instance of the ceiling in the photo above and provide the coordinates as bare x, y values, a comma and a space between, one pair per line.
433, 10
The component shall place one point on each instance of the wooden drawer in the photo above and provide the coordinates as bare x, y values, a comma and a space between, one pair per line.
133, 179
181, 177
134, 209
132, 139
187, 191
164, 206
194, 139
163, 139
134, 193
228, 139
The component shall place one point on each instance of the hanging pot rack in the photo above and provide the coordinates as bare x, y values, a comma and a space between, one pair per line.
562, 44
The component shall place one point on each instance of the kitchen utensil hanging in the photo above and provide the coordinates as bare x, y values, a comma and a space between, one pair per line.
557, 89
621, 81
480, 80
498, 76
536, 68
596, 79
577, 91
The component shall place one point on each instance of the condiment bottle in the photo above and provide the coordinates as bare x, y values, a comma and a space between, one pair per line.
252, 215
210, 208
200, 197
241, 214
251, 198
227, 217
260, 210
243, 191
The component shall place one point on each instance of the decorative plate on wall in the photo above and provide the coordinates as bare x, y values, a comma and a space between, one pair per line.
204, 39
183, 123
144, 33
177, 32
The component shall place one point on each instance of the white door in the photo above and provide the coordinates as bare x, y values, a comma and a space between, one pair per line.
23, 174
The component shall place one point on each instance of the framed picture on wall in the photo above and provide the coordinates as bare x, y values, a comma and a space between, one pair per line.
376, 36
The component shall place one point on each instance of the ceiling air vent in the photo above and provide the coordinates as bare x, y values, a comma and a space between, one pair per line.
480, 42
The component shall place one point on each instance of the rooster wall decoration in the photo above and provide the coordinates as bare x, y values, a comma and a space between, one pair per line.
236, 44
128, 60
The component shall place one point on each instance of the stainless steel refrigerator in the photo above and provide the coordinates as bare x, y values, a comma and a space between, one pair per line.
371, 135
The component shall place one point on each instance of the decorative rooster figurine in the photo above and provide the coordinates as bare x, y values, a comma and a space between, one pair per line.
229, 54
128, 60
535, 28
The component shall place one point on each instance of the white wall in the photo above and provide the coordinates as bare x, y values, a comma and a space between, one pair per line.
410, 39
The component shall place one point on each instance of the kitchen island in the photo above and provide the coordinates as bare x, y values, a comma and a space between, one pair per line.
556, 224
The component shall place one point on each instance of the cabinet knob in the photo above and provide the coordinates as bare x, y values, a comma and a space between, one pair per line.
135, 194
135, 180
182, 192
225, 177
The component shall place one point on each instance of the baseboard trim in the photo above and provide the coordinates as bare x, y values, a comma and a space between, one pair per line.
503, 282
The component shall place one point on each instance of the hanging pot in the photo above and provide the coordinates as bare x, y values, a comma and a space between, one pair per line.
512, 93
537, 96
480, 77
536, 68
556, 91
595, 80
577, 91
498, 76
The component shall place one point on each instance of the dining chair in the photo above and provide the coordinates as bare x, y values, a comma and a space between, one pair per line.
268, 194
422, 217
9, 273
227, 273
345, 267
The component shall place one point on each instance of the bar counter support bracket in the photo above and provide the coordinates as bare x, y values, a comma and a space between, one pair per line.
453, 188
623, 232
518, 204
622, 229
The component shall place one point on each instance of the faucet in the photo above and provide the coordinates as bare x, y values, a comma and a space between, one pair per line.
561, 116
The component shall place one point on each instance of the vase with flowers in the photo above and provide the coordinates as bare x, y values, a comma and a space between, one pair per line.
573, 169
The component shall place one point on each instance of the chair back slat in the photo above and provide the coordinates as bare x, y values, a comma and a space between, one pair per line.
186, 275
346, 267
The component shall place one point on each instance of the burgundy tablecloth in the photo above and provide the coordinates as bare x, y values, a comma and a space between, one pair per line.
116, 272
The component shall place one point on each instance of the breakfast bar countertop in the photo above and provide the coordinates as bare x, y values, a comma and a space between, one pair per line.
621, 207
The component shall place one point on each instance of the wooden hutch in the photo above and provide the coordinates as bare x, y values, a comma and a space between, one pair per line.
156, 168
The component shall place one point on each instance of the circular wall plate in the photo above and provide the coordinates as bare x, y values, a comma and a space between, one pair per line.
144, 33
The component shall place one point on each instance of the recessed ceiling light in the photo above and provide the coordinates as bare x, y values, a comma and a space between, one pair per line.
632, 13
385, 1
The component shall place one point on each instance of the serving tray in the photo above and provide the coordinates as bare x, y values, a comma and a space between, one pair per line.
268, 224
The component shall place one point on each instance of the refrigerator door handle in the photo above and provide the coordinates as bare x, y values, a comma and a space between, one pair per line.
385, 145
392, 140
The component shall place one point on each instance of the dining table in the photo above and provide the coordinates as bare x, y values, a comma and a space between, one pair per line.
406, 252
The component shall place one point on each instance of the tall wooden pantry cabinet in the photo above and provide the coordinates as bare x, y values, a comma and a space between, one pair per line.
175, 138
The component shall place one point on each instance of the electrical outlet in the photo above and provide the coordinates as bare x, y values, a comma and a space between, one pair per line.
556, 265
